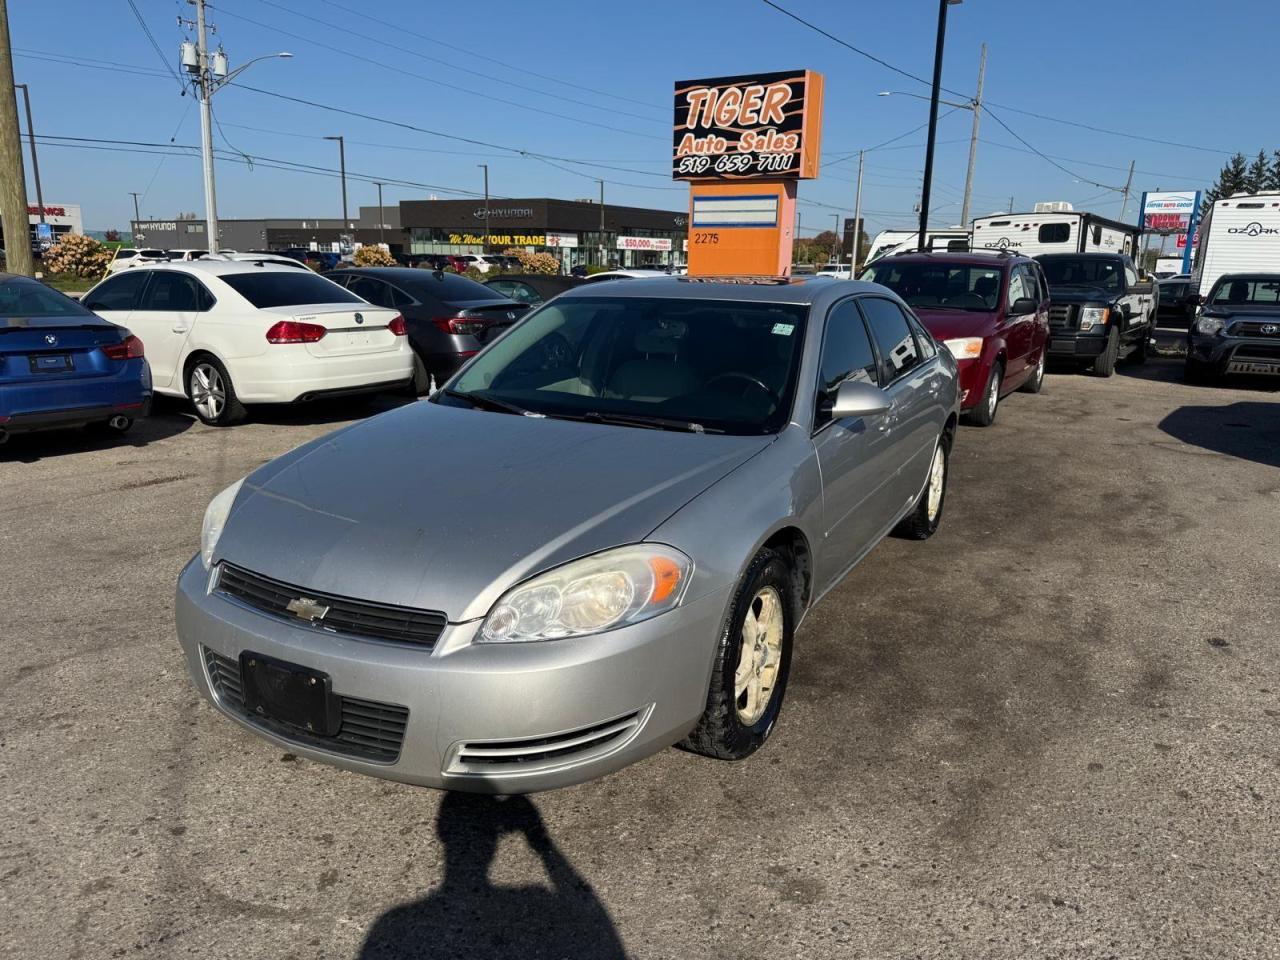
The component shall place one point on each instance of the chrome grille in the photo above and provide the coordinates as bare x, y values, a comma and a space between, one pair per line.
1251, 328
492, 756
1062, 316
359, 618
369, 730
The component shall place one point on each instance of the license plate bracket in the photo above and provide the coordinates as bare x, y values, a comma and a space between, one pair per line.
51, 363
289, 693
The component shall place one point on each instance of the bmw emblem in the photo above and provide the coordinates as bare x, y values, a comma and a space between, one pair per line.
50, 339
359, 318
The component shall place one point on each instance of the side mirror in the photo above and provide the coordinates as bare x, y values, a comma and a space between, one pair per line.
1022, 306
1196, 300
854, 399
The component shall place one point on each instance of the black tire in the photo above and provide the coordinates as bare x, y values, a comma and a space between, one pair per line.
1035, 383
420, 385
919, 524
231, 410
984, 414
721, 732
1104, 365
1195, 371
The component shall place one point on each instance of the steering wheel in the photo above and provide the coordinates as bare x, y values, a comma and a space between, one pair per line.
556, 352
739, 375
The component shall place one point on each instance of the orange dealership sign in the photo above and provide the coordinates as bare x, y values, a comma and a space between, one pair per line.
756, 127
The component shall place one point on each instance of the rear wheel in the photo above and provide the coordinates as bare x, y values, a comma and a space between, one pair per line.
984, 414
1104, 365
421, 382
212, 394
753, 660
1035, 383
922, 522
1141, 351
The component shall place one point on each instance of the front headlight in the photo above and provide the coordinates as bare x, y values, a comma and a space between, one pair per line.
1208, 326
964, 348
215, 518
598, 593
1091, 317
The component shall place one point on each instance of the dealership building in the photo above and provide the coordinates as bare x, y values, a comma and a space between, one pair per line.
61, 218
276, 233
568, 229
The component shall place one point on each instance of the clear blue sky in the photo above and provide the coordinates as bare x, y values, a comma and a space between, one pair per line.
1187, 75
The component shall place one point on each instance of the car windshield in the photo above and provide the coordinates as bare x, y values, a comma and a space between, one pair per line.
940, 286
1247, 291
1082, 272
21, 297
719, 366
286, 288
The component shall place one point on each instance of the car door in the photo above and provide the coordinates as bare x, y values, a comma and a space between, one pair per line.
1018, 329
853, 453
114, 298
913, 382
164, 318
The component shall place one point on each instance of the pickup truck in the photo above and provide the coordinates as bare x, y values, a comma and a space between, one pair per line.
1100, 309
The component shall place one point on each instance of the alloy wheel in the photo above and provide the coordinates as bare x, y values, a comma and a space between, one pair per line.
208, 392
993, 396
760, 656
937, 483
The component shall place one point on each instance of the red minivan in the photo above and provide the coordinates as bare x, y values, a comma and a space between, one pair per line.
991, 310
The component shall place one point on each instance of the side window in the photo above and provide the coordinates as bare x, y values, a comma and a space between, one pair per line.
204, 299
1054, 233
375, 291
1017, 285
504, 287
172, 291
1130, 275
118, 293
898, 350
398, 297
523, 293
846, 355
924, 340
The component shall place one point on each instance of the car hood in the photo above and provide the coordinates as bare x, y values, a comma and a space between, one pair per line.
1088, 294
949, 324
444, 508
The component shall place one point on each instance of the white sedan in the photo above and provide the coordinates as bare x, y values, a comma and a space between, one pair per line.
229, 333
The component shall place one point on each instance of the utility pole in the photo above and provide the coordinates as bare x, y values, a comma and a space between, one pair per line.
35, 161
1128, 184
485, 167
1011, 204
381, 218
602, 259
835, 245
857, 218
973, 140
137, 217
204, 88
13, 182
933, 125
342, 170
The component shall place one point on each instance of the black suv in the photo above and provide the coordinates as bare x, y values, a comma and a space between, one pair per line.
1237, 328
1100, 309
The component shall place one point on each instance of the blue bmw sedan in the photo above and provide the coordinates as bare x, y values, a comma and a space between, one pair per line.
63, 366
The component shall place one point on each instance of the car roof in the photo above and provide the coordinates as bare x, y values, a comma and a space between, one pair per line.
538, 277
219, 267
1090, 255
759, 289
976, 258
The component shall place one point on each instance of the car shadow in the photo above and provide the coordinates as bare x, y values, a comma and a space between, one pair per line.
335, 410
468, 915
33, 447
1247, 430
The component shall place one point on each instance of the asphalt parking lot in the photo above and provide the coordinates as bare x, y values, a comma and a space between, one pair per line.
1051, 731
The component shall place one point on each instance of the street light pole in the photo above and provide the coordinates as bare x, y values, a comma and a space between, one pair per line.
857, 218
342, 169
485, 167
381, 218
137, 217
35, 161
835, 245
933, 123
602, 261
973, 140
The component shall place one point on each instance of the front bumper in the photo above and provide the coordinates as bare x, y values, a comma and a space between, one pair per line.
1065, 344
493, 718
1245, 355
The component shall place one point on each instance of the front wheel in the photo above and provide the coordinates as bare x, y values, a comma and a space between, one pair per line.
922, 522
212, 394
1104, 365
984, 414
753, 660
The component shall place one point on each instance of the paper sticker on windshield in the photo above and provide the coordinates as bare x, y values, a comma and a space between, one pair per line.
783, 329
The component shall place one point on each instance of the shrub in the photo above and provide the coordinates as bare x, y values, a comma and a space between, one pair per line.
371, 255
533, 262
474, 274
78, 256
597, 268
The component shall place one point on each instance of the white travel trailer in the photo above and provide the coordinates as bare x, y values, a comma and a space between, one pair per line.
1031, 234
1239, 234
889, 242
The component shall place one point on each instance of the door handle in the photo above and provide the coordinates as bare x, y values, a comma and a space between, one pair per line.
180, 328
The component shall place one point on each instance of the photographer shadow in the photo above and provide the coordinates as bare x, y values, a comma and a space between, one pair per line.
467, 915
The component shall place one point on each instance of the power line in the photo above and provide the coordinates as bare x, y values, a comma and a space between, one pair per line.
1114, 133
443, 83
137, 15
422, 56
1045, 156
1094, 163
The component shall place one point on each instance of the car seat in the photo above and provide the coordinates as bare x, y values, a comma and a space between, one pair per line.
655, 375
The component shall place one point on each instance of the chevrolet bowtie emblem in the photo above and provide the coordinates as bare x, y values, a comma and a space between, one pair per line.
304, 608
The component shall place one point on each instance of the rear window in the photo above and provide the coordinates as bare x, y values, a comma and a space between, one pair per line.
21, 297
452, 287
281, 289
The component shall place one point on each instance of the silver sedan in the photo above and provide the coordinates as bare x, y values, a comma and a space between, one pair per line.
597, 541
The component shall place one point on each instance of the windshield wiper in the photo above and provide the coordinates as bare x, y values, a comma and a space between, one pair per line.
490, 403
641, 420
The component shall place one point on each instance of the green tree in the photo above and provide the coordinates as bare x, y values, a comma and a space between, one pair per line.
1273, 183
1231, 179
1258, 177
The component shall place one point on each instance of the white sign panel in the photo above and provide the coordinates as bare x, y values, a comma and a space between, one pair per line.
1181, 203
644, 243
561, 239
743, 211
